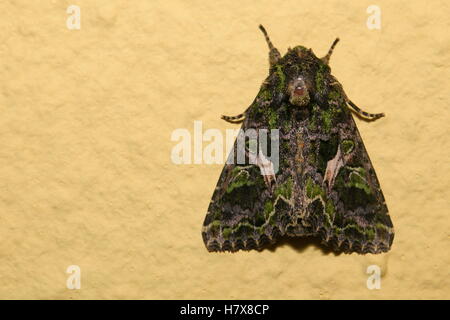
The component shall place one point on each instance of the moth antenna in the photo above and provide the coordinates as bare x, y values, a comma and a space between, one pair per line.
269, 43
274, 54
326, 59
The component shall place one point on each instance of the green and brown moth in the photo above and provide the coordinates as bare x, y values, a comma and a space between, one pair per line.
325, 185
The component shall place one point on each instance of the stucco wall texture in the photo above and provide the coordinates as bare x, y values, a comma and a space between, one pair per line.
86, 118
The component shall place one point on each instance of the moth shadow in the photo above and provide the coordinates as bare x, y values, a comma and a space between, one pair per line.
300, 244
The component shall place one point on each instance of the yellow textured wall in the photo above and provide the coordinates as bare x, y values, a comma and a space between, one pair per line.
85, 123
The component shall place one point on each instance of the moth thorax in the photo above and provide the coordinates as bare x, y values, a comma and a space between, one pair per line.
298, 92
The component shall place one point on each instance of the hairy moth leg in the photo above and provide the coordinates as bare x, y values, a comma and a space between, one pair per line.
363, 114
326, 59
353, 107
274, 54
234, 119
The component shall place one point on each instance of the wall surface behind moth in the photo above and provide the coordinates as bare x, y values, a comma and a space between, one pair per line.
85, 123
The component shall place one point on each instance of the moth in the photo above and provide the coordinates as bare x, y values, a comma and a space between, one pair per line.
325, 185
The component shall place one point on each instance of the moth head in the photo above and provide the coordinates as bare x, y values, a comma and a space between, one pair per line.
298, 92
302, 52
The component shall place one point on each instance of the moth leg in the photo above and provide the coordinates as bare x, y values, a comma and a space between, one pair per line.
326, 59
363, 114
274, 54
234, 119
360, 113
